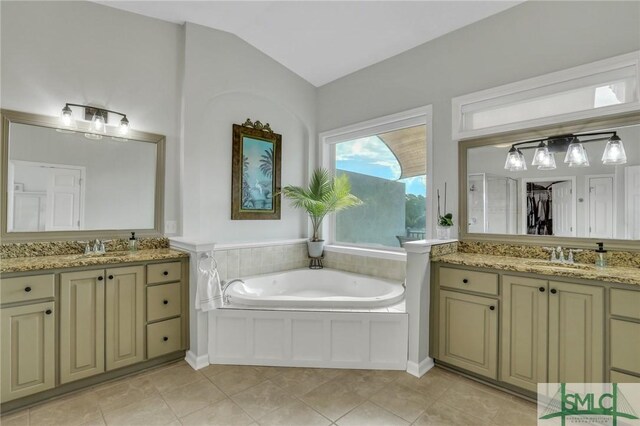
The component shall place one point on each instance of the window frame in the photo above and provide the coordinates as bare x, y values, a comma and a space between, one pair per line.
411, 118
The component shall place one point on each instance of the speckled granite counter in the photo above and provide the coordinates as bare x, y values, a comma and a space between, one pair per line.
613, 274
38, 263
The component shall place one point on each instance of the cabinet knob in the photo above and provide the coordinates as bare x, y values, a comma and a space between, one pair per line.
100, 278
541, 289
165, 273
27, 289
165, 302
165, 338
48, 311
110, 277
493, 308
553, 291
465, 280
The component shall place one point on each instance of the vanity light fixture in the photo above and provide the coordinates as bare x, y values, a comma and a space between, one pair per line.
99, 121
572, 145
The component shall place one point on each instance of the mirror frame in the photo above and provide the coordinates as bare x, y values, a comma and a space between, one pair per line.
8, 117
599, 123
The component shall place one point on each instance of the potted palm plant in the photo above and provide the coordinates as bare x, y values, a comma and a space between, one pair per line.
325, 194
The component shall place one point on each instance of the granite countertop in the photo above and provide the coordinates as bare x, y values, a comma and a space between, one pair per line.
612, 274
38, 263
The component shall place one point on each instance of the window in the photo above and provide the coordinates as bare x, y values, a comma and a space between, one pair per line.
386, 161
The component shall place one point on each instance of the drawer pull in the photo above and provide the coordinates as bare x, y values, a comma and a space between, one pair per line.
465, 281
493, 308
165, 273
554, 291
541, 289
165, 338
100, 278
27, 289
110, 277
48, 311
165, 302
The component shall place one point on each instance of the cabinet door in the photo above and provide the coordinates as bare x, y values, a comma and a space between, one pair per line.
469, 332
524, 332
27, 348
124, 316
576, 333
81, 325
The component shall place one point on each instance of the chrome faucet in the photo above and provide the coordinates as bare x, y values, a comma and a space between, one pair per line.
560, 255
571, 252
552, 250
225, 286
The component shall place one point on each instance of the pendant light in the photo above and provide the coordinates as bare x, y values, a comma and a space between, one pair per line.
548, 162
124, 126
584, 163
614, 151
576, 154
515, 160
540, 154
66, 118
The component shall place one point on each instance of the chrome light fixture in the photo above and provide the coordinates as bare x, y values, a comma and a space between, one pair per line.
99, 121
540, 155
614, 151
576, 154
515, 160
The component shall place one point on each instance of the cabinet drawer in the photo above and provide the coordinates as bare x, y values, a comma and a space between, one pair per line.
618, 377
163, 301
163, 272
480, 282
163, 337
21, 289
625, 303
625, 345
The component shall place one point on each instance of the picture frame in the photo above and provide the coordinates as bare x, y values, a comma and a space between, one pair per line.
255, 172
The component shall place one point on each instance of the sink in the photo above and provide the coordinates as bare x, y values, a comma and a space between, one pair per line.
550, 264
101, 255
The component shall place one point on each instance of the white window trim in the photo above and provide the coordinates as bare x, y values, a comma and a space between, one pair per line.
414, 117
559, 77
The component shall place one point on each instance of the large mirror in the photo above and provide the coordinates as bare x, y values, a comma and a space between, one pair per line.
64, 184
505, 197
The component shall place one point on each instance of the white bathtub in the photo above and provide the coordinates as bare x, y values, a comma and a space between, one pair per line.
314, 289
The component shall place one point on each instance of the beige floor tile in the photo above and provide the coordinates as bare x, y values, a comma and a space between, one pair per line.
72, 410
270, 372
517, 413
473, 400
149, 411
262, 399
170, 378
402, 401
98, 421
333, 399
124, 392
294, 414
432, 384
237, 380
192, 397
298, 381
439, 414
365, 382
216, 369
20, 418
223, 413
369, 414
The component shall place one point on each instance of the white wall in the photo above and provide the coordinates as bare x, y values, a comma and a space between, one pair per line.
80, 52
530, 39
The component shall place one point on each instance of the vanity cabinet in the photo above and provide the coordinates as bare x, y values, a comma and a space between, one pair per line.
624, 325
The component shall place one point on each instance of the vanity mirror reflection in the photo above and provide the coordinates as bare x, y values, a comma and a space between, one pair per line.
585, 186
67, 185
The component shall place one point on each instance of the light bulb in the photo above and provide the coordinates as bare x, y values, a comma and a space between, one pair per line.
124, 126
540, 154
66, 117
584, 163
548, 162
576, 154
614, 151
97, 123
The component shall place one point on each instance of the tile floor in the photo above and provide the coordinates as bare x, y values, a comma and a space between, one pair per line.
244, 395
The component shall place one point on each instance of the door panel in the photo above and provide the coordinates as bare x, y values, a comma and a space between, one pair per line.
81, 325
576, 333
124, 316
562, 209
601, 218
632, 201
63, 199
469, 332
524, 332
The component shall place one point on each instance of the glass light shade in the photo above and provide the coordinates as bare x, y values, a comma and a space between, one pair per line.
614, 152
540, 154
576, 154
124, 126
66, 118
548, 162
98, 123
585, 163
515, 161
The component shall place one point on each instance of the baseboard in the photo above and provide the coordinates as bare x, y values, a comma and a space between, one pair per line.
197, 362
419, 370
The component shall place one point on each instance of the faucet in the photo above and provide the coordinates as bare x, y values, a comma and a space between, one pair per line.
560, 255
552, 250
571, 252
225, 286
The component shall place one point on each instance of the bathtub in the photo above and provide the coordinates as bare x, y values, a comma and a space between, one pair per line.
314, 289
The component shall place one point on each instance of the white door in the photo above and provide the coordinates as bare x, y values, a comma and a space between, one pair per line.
632, 200
562, 209
29, 210
601, 218
63, 199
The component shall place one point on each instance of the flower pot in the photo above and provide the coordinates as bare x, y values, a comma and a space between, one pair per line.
315, 248
443, 232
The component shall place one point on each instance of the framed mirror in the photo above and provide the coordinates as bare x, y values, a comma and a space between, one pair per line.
63, 185
566, 201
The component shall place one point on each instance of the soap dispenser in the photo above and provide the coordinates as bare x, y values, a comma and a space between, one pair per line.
601, 260
133, 242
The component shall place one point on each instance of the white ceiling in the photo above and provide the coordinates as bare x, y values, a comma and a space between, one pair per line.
324, 40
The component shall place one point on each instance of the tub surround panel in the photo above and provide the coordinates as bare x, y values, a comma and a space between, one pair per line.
249, 261
382, 268
612, 274
39, 263
61, 248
